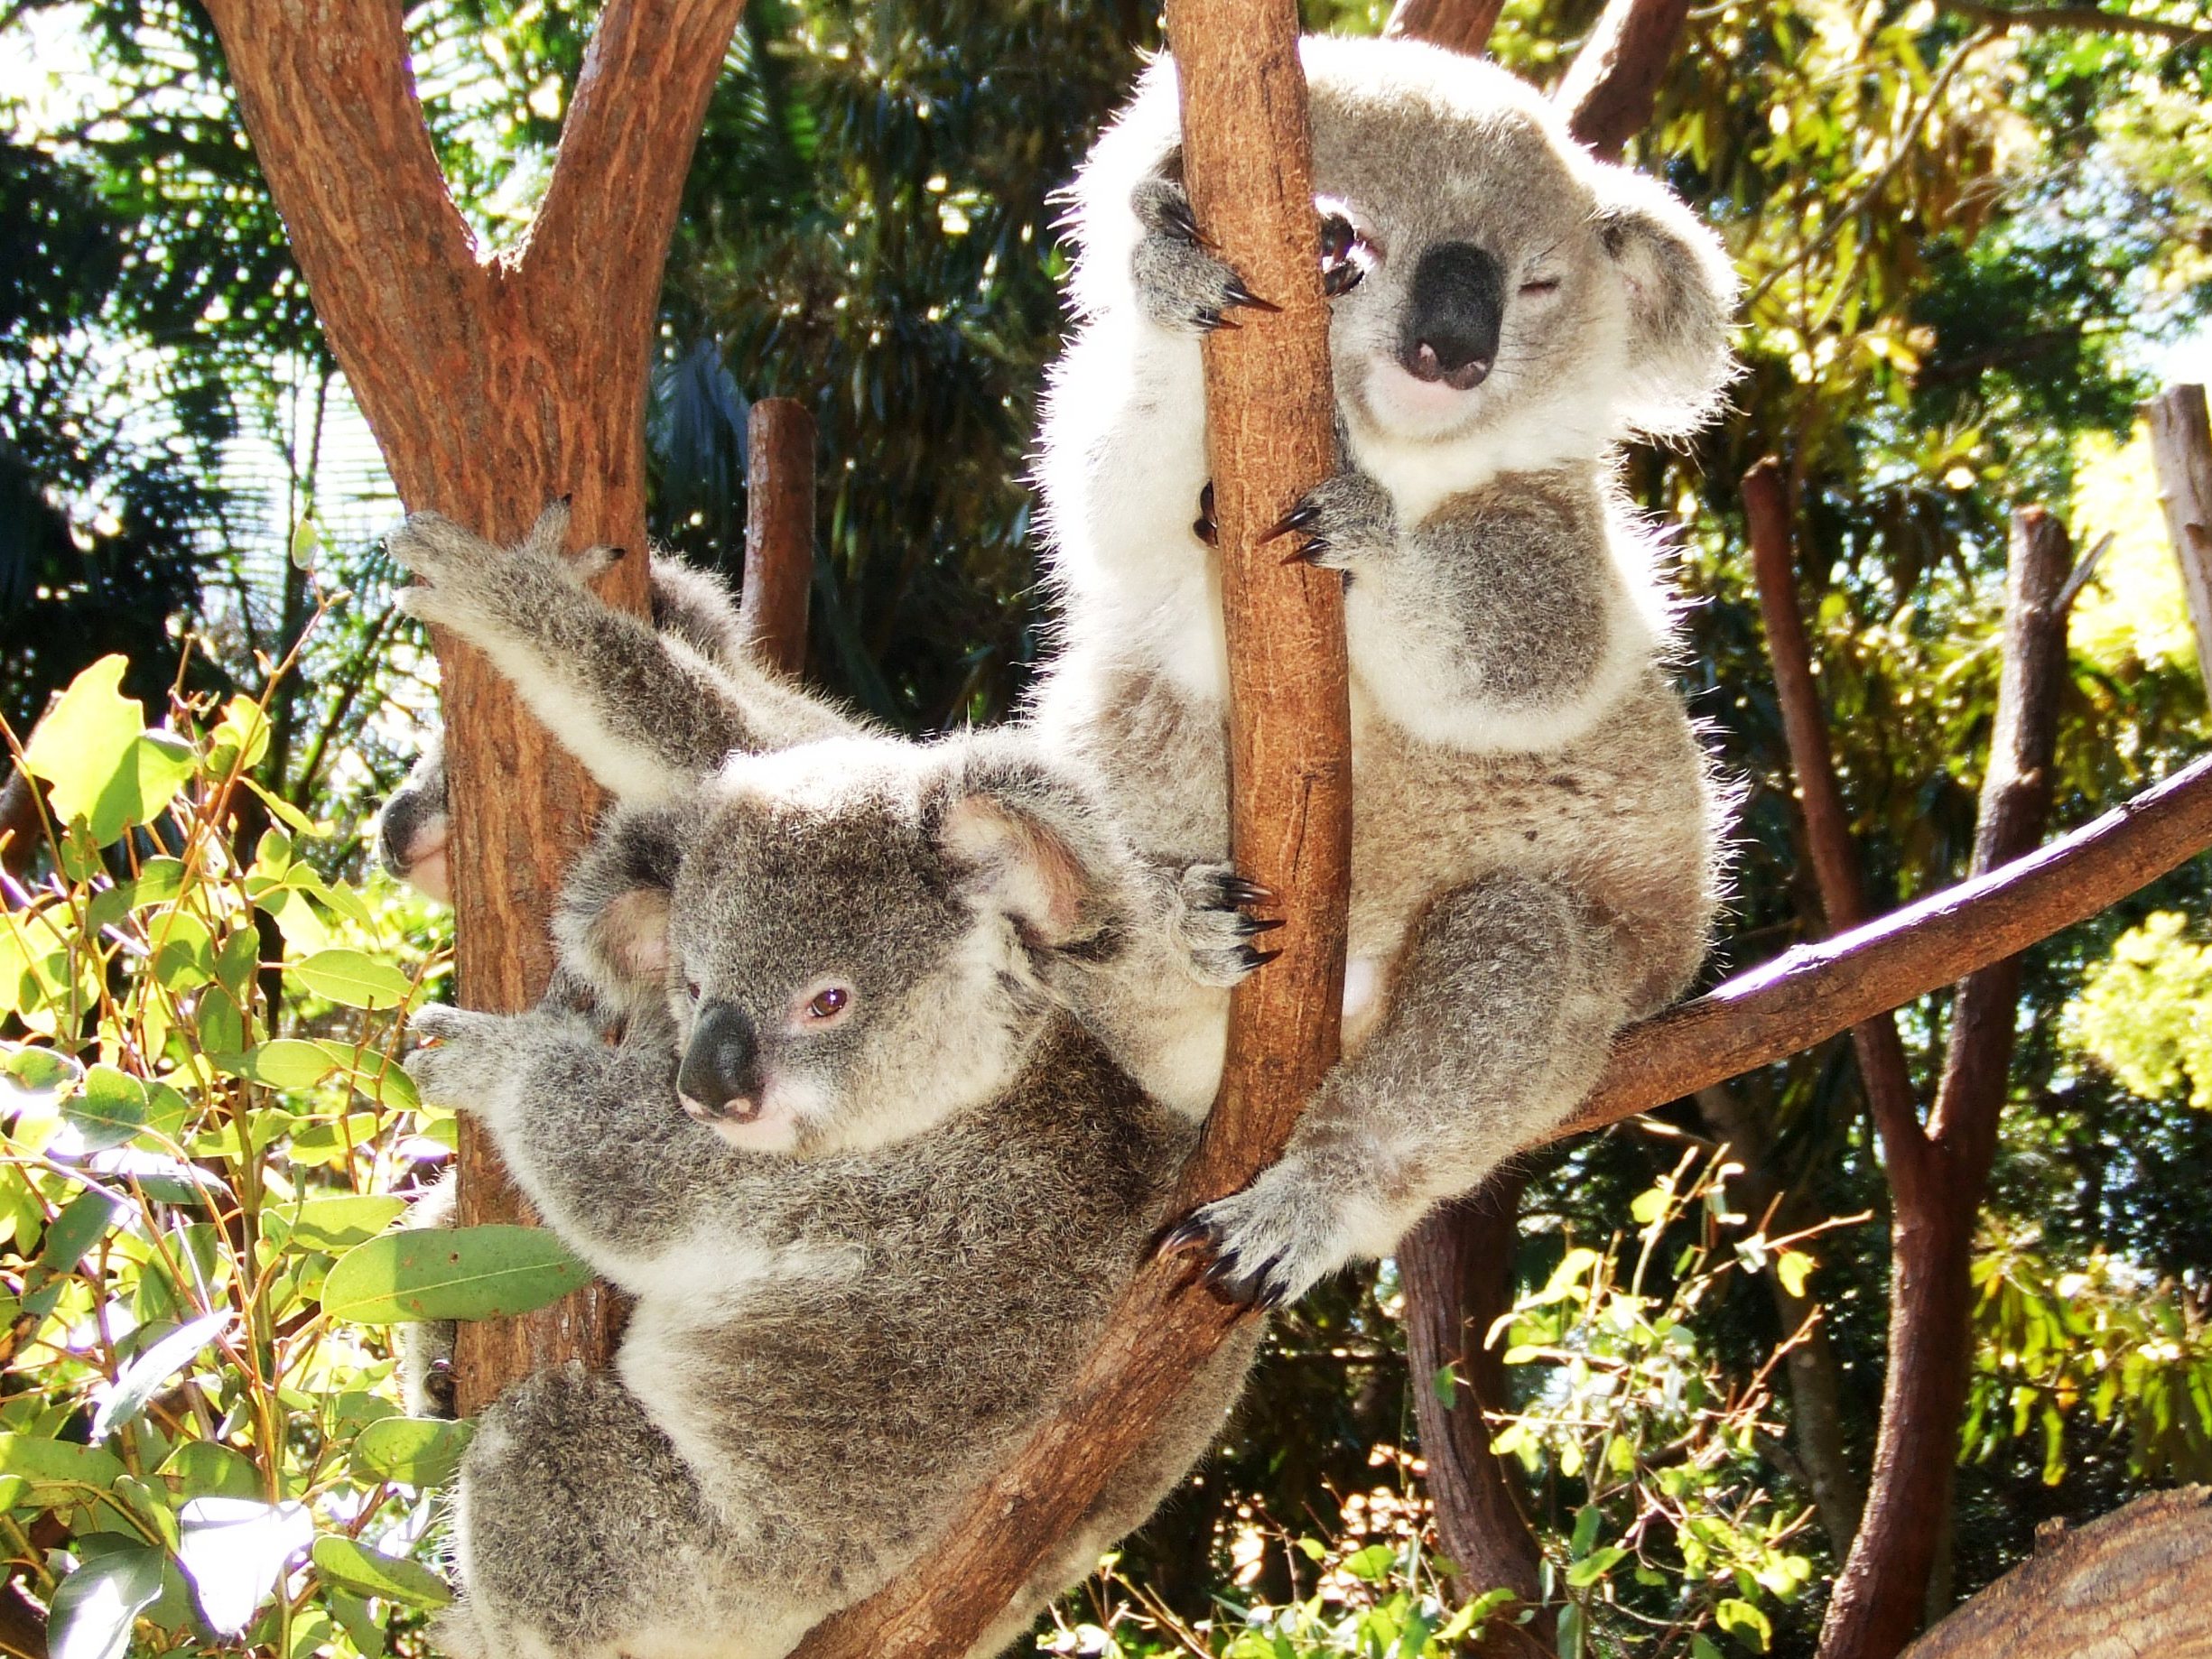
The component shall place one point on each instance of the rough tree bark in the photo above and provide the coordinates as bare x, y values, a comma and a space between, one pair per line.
779, 532
1937, 1172
2138, 1580
2181, 449
1270, 433
1463, 25
493, 382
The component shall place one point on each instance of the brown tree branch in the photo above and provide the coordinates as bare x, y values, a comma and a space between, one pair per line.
1611, 87
491, 387
1881, 1594
1463, 25
1837, 869
1814, 992
2089, 19
1269, 408
2139, 1580
1456, 1270
2181, 451
779, 532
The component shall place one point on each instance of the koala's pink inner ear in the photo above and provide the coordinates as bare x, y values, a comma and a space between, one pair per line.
633, 932
1019, 865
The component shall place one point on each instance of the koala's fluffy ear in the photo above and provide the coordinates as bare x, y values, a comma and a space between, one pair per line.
1681, 296
1030, 844
612, 920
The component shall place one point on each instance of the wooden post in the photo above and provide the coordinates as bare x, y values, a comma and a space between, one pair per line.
779, 532
493, 382
2181, 450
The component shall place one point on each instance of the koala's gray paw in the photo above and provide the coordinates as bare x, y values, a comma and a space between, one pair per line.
475, 1052
1266, 1245
1213, 927
1180, 285
1345, 518
465, 580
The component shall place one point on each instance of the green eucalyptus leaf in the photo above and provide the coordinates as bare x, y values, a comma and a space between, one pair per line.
57, 1470
416, 1451
353, 977
202, 1469
108, 1108
338, 1224
80, 1225
234, 1549
371, 1573
451, 1272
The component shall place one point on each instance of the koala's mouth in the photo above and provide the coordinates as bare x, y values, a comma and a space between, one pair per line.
1409, 406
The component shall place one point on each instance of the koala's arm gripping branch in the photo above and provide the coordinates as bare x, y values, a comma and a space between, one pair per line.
1246, 159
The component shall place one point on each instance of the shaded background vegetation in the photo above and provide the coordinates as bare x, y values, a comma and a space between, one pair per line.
1968, 253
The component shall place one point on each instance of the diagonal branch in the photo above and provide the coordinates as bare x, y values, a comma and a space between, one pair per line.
1813, 992
1463, 25
1270, 438
1611, 87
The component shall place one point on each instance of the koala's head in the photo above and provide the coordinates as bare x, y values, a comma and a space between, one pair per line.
1485, 268
852, 937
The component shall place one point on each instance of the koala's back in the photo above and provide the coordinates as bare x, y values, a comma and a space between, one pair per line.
840, 1414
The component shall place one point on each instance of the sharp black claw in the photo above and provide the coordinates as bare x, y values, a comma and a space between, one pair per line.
1212, 320
615, 555
1255, 960
1243, 890
1183, 1237
1250, 925
1310, 553
1203, 526
1181, 219
1238, 294
1269, 1298
1304, 516
568, 500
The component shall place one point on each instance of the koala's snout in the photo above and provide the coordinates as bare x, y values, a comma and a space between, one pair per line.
721, 1074
1452, 323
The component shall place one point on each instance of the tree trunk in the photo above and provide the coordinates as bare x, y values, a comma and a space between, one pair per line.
2137, 1582
493, 383
2181, 450
1271, 437
1938, 1174
779, 532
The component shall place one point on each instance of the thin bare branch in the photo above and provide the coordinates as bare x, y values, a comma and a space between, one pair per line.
1610, 88
1463, 25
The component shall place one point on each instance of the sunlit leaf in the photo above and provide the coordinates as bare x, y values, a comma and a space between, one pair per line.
142, 1378
233, 1550
95, 1606
202, 1469
57, 1470
338, 1224
108, 1108
354, 979
451, 1272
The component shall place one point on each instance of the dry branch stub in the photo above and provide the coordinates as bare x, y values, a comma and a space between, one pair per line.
1269, 419
2181, 450
1611, 87
779, 532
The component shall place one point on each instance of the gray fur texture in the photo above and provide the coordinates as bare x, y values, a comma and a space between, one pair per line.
651, 718
1536, 825
692, 611
855, 1300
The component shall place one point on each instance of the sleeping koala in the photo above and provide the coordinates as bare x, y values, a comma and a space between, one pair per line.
874, 1189
1535, 823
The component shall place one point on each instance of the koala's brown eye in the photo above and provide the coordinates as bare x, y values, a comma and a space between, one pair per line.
829, 1002
1540, 290
1345, 255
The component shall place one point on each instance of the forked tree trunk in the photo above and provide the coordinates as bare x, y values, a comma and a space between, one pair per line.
493, 382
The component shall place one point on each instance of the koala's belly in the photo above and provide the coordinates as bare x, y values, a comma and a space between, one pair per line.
1626, 816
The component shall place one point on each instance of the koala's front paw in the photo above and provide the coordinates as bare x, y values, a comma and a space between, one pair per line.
469, 583
1210, 926
1180, 285
1269, 1244
475, 1052
1346, 518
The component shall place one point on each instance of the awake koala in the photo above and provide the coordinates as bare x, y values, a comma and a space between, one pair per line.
874, 1189
651, 717
1534, 823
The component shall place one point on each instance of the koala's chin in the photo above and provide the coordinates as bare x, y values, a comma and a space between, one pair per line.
1402, 406
777, 1125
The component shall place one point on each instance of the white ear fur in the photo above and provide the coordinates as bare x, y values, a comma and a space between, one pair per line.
633, 933
1681, 291
1015, 863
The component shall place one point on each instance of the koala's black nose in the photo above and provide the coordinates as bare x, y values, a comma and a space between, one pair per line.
721, 1074
1451, 331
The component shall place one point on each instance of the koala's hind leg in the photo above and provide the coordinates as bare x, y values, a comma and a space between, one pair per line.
1501, 1012
579, 1532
